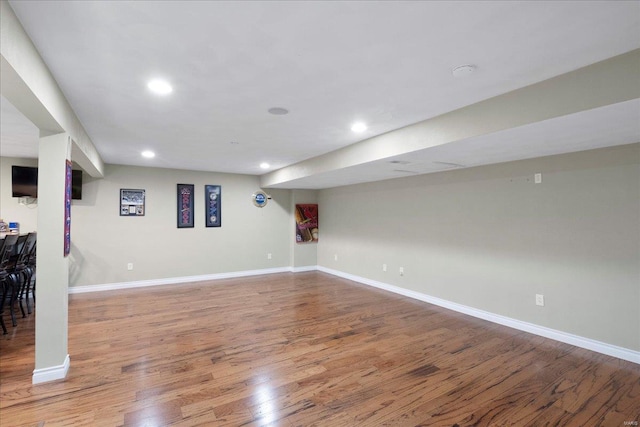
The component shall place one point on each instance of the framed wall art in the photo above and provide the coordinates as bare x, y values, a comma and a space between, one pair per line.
185, 205
306, 223
132, 202
67, 209
213, 205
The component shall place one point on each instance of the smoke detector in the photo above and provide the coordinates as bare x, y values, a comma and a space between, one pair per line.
278, 111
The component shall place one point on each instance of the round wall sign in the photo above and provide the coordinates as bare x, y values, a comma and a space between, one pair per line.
260, 199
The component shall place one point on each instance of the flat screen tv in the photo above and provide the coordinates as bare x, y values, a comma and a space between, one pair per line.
24, 182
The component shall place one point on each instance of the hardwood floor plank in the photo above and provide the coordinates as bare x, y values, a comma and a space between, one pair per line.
305, 349
168, 412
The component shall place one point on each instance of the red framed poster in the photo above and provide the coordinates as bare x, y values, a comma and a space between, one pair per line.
306, 223
185, 205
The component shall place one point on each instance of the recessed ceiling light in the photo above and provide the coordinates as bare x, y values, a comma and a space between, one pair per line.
264, 165
359, 127
148, 154
278, 111
463, 70
160, 87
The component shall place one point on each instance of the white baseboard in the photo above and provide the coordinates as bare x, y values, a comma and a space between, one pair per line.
578, 341
174, 280
52, 373
304, 268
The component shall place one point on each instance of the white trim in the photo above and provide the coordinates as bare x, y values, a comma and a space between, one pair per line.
174, 280
578, 341
52, 373
304, 268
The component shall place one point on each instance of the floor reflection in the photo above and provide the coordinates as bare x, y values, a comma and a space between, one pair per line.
265, 408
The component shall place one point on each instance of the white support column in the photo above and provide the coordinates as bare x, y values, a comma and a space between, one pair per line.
52, 358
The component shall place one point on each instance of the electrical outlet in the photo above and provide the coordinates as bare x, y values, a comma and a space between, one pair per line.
384, 267
269, 256
537, 178
335, 257
540, 300
402, 271
130, 266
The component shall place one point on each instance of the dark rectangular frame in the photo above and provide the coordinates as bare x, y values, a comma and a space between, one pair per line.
213, 205
67, 208
185, 205
125, 206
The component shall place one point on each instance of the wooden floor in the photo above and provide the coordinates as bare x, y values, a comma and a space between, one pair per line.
305, 349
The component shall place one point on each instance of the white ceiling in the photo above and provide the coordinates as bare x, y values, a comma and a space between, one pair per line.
330, 63
18, 136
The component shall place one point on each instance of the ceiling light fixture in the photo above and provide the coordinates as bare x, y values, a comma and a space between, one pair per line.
463, 70
160, 87
359, 127
264, 165
278, 111
148, 154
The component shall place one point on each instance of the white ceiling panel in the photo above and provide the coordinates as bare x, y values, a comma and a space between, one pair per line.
329, 63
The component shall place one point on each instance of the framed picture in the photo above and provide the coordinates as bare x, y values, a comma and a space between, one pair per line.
185, 205
306, 223
67, 209
213, 204
132, 202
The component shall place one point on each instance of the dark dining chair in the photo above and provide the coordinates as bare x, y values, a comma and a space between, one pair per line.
31, 262
32, 266
24, 271
8, 279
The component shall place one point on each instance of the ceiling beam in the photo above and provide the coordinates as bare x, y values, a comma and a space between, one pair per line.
608, 82
28, 84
